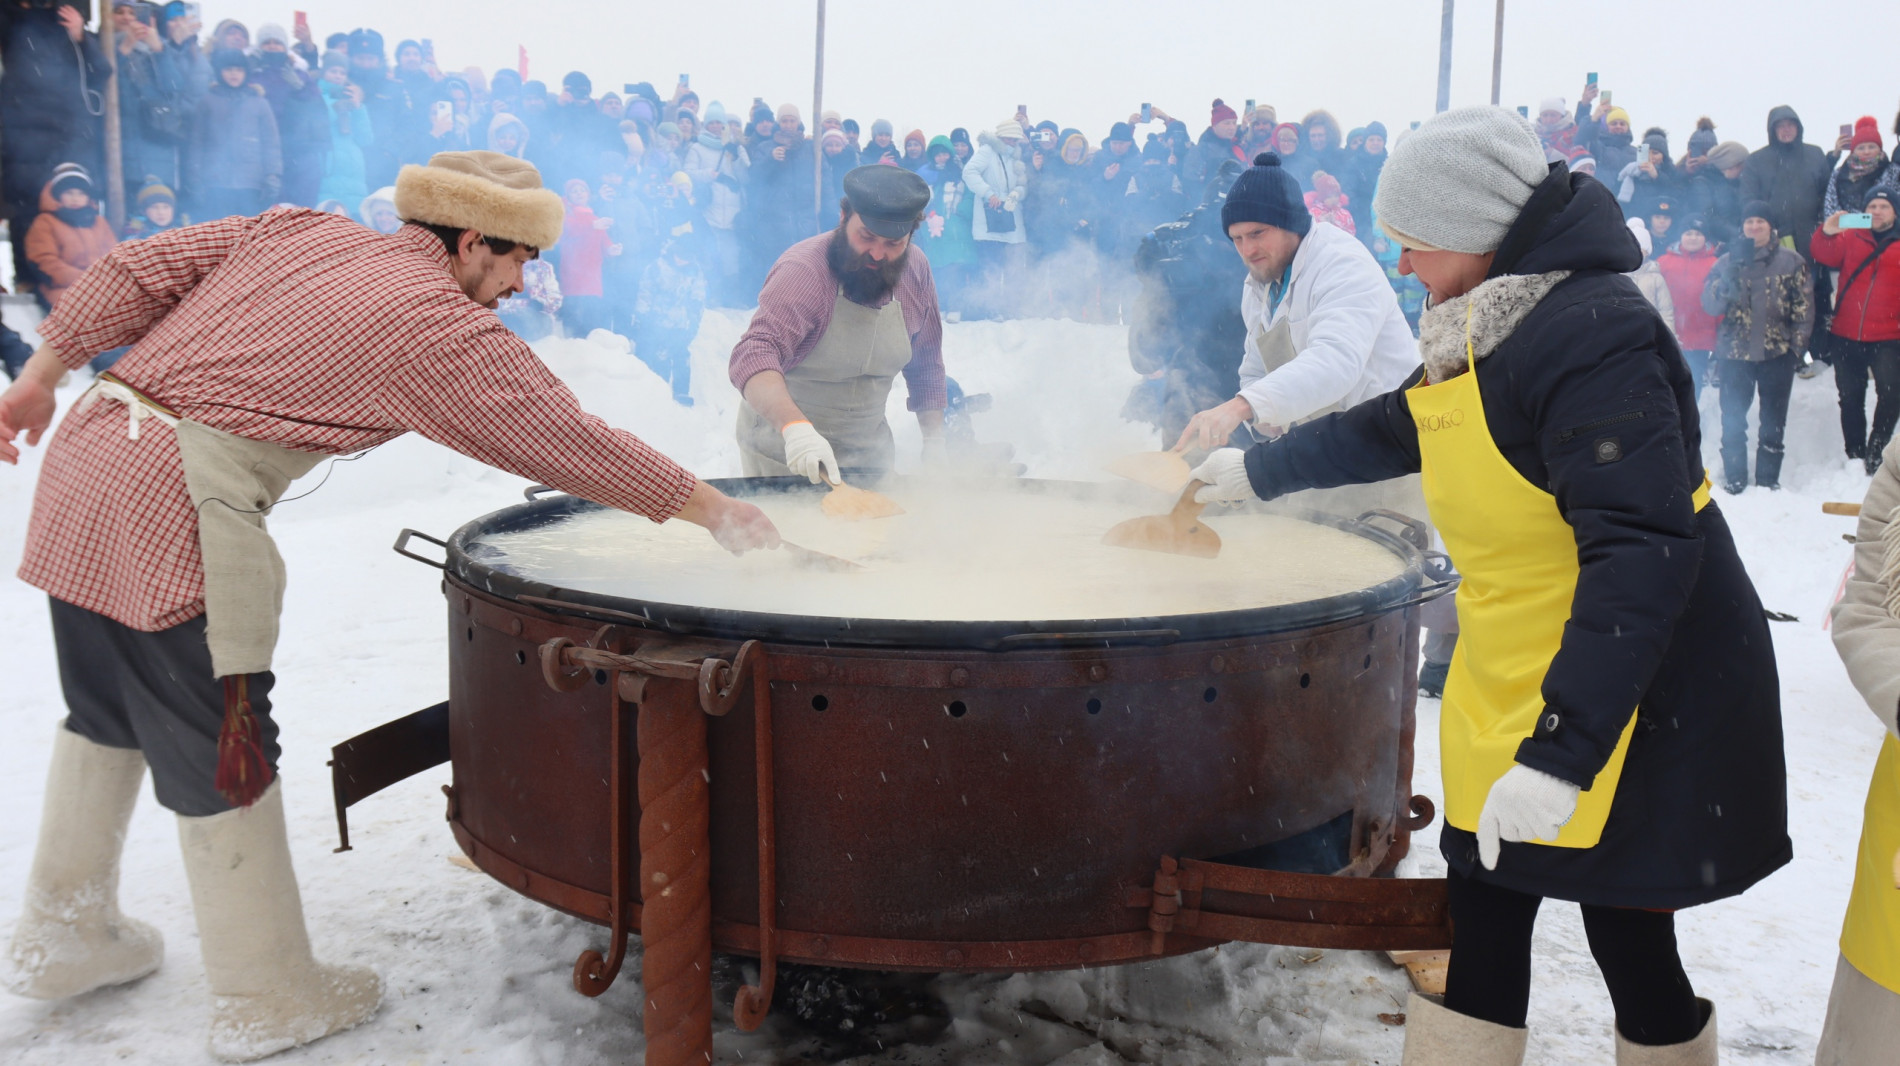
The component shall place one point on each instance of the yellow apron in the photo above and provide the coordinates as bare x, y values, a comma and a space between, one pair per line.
1870, 939
1518, 560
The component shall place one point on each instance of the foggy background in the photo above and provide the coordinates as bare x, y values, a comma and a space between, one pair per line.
1088, 63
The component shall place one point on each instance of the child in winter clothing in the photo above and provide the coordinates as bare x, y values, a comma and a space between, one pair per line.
158, 212
666, 318
69, 234
1327, 203
1686, 269
584, 245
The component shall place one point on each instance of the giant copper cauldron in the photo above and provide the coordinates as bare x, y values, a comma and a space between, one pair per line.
972, 796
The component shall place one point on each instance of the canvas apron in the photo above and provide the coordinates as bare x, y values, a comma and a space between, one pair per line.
233, 482
1518, 560
842, 387
1403, 494
1870, 938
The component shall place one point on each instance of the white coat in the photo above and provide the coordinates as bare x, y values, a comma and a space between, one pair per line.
706, 166
1352, 340
995, 169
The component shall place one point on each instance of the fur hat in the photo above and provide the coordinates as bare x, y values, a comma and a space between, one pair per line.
497, 195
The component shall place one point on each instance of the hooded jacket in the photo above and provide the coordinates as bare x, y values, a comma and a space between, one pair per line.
346, 171
61, 250
1791, 177
1868, 309
996, 169
1766, 299
234, 142
1665, 626
1305, 162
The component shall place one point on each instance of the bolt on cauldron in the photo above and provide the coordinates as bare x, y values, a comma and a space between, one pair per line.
904, 791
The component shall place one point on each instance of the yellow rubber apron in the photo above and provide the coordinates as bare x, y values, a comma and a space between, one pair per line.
1870, 938
233, 482
1518, 560
842, 387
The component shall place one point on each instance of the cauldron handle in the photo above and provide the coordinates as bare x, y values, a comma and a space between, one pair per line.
1411, 530
752, 1002
402, 548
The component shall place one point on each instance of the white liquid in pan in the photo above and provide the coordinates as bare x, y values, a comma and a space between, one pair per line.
1008, 556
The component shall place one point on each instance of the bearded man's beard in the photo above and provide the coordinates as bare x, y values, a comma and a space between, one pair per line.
863, 281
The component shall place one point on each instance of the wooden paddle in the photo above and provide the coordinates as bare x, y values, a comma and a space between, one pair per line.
1849, 510
855, 504
1167, 471
818, 560
1179, 532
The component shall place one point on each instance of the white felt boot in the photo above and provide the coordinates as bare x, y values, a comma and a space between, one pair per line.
1699, 1051
71, 937
1435, 1036
268, 992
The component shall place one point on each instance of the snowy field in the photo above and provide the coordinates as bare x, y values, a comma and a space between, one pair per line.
477, 974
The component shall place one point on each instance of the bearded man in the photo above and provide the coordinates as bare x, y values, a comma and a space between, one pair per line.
839, 316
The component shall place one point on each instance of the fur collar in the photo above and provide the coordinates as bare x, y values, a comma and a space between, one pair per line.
1497, 308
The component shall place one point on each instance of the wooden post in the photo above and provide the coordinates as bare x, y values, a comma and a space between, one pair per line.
1497, 57
115, 158
1444, 60
817, 121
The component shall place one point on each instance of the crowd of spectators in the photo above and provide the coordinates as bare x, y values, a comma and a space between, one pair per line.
1762, 260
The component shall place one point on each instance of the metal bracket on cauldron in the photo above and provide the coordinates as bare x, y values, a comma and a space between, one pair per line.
567, 666
1214, 901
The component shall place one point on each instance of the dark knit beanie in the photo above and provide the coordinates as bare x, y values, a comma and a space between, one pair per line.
1887, 193
1121, 131
1267, 194
1156, 149
1758, 209
1703, 138
1375, 129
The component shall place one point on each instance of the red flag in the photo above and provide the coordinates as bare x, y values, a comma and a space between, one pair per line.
521, 63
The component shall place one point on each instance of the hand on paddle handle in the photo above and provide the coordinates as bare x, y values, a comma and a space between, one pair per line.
1211, 428
1225, 473
26, 407
1525, 804
809, 454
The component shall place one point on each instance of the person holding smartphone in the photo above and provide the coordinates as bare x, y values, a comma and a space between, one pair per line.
1866, 325
1865, 168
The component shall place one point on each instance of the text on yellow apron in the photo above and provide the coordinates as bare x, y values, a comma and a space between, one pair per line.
1870, 939
842, 387
1518, 561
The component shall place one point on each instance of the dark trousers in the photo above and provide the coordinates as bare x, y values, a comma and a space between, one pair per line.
1698, 368
1740, 381
669, 353
1490, 975
154, 692
582, 315
1853, 362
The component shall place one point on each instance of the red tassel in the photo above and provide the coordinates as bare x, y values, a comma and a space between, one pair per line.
243, 775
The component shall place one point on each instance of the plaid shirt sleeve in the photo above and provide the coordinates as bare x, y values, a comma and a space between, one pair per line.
490, 398
124, 295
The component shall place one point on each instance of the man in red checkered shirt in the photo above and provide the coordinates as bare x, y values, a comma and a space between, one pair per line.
259, 347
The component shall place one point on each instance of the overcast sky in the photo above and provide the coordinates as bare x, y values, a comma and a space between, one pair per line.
1088, 63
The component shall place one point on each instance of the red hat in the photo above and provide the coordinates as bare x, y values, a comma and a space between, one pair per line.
1326, 185
1222, 113
1867, 131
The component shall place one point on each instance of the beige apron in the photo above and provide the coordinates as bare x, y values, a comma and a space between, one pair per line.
842, 387
233, 482
1406, 495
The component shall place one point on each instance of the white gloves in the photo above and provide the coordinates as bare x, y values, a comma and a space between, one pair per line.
1225, 473
809, 454
1525, 804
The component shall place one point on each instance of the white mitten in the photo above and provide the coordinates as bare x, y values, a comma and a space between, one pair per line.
809, 454
1525, 804
1225, 473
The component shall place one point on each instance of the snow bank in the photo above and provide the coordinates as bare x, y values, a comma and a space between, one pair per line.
476, 973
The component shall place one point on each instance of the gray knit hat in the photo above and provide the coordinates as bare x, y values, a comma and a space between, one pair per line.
1460, 180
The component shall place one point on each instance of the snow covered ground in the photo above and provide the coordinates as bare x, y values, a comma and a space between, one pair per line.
478, 974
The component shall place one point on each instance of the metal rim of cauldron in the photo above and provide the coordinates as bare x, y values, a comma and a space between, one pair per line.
988, 635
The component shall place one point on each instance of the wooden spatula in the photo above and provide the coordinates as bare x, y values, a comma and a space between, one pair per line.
1167, 471
1179, 532
855, 504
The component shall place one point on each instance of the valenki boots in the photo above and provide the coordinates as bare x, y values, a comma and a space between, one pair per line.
71, 937
1435, 1036
1699, 1051
268, 992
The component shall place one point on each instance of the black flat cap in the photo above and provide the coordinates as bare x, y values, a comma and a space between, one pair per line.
889, 199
